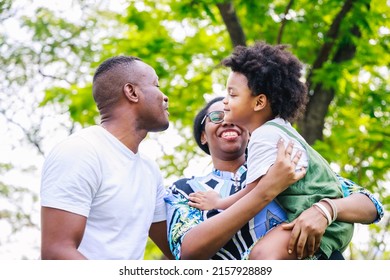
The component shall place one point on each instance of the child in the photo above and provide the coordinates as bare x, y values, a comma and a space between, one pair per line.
265, 94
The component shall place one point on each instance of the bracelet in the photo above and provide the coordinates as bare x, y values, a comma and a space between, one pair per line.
333, 206
325, 211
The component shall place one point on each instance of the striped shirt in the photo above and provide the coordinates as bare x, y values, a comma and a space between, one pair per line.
181, 217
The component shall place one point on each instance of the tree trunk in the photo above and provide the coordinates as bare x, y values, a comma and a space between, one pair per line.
311, 125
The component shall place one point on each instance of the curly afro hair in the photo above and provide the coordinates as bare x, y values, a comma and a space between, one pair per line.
275, 72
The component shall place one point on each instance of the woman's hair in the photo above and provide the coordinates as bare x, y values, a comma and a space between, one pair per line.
199, 127
274, 72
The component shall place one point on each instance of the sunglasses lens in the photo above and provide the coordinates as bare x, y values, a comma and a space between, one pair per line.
217, 116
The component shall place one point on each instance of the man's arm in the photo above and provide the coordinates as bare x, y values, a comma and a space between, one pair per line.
61, 234
158, 233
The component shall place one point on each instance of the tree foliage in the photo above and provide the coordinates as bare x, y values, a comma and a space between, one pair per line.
344, 45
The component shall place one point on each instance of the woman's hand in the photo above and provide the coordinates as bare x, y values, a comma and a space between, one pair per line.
283, 171
307, 231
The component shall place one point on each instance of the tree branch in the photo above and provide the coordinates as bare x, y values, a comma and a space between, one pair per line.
284, 22
232, 23
331, 36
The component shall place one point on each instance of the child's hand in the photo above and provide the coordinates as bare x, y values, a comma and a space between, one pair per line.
204, 200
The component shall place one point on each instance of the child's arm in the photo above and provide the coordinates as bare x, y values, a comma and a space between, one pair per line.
212, 200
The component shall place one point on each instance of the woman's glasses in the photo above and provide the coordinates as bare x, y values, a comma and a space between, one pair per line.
214, 116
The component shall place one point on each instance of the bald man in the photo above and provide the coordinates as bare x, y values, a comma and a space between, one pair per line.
100, 197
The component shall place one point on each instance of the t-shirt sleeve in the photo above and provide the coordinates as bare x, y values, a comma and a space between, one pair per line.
262, 152
70, 177
160, 213
349, 187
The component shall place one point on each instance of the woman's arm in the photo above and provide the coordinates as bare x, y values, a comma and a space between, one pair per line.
206, 238
356, 208
359, 206
211, 200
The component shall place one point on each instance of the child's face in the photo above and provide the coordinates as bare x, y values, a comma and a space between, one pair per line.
239, 102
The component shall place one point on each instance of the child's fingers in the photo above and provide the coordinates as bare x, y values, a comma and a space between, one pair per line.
195, 198
193, 204
198, 205
196, 194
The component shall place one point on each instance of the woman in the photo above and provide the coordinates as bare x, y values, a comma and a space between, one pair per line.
196, 234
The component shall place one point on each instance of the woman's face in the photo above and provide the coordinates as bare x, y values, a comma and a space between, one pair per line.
226, 141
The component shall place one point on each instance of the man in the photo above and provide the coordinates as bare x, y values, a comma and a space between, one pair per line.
100, 197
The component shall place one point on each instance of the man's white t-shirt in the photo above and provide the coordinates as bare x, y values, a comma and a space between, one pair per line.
121, 193
263, 150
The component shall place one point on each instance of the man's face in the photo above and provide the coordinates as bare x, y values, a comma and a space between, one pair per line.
154, 110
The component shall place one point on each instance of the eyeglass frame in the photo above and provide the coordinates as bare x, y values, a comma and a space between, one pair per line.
208, 115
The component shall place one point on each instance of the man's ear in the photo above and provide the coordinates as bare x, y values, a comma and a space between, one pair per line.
261, 102
130, 92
